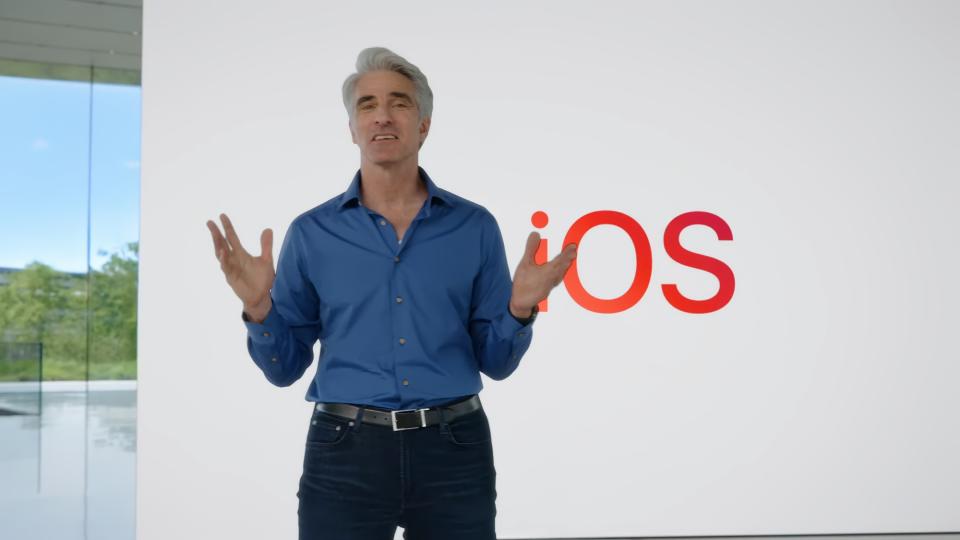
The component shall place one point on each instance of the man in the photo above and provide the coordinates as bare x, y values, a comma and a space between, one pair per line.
406, 286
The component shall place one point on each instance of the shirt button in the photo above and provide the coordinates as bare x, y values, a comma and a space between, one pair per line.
396, 259
274, 359
382, 222
406, 382
402, 341
266, 334
399, 299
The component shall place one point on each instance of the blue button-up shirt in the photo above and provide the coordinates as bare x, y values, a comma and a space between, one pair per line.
402, 323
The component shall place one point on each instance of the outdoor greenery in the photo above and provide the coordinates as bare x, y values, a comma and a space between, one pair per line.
74, 316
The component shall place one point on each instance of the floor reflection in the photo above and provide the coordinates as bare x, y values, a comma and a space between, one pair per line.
70, 471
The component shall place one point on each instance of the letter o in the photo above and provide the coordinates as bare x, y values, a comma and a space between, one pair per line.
641, 276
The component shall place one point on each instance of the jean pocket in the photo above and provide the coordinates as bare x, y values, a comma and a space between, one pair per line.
469, 429
327, 429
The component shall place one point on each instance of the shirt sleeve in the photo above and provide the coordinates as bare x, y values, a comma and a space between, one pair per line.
499, 339
282, 345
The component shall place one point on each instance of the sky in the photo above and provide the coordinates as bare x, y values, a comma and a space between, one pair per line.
46, 160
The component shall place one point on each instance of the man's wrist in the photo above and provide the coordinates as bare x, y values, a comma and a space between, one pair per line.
519, 312
516, 312
258, 314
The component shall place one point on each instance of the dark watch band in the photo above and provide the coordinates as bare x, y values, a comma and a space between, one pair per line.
530, 319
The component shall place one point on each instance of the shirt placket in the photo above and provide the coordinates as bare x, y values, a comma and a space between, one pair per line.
400, 313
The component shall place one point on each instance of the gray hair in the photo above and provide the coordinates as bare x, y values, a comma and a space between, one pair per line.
374, 58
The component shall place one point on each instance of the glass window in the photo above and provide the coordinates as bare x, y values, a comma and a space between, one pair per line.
69, 233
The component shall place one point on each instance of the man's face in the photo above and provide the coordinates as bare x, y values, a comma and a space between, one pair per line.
385, 118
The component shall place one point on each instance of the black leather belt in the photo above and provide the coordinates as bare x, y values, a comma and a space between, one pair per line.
404, 419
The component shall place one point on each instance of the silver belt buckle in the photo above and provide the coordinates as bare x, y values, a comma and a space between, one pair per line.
423, 419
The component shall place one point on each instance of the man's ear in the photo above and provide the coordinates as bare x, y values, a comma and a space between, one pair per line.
353, 134
424, 129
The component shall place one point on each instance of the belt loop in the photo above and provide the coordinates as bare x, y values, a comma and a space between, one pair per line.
444, 426
359, 419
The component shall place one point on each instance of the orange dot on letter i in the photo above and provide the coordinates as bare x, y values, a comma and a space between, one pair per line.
539, 219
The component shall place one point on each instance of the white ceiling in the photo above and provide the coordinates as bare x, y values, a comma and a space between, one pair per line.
103, 34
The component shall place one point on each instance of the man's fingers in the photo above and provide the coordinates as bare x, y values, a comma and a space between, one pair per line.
565, 257
562, 262
218, 240
266, 245
533, 242
232, 237
223, 255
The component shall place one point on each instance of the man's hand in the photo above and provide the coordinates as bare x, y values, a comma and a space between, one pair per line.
532, 282
250, 277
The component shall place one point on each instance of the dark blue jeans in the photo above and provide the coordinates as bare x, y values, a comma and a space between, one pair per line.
362, 480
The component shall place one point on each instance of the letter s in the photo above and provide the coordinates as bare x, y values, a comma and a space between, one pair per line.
671, 242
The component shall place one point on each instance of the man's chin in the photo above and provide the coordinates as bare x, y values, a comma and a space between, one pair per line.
386, 161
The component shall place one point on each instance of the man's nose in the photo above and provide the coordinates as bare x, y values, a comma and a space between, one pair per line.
382, 116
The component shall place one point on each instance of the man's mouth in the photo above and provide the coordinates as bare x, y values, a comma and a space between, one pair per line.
385, 137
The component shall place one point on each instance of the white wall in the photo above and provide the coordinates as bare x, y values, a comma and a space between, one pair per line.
821, 399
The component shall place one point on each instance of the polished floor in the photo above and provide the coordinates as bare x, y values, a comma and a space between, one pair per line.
69, 472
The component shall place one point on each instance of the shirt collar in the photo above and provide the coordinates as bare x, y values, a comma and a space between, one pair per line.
351, 197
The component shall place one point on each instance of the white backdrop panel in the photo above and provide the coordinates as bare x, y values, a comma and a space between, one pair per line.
821, 399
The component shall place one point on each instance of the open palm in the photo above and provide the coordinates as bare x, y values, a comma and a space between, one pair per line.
250, 277
533, 282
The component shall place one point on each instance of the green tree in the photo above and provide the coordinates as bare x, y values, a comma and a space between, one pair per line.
41, 304
113, 308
